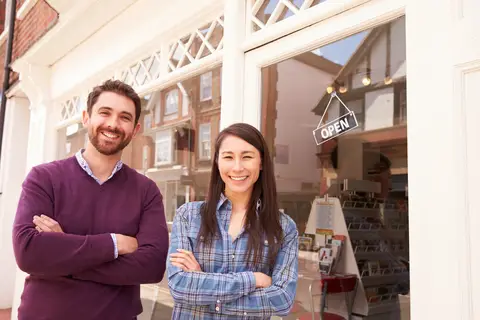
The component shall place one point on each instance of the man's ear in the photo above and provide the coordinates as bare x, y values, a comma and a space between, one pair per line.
136, 129
85, 118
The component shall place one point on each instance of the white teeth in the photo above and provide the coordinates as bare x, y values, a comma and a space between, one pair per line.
238, 178
110, 135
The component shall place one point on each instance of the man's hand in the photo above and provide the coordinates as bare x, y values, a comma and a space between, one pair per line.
46, 224
185, 260
126, 244
262, 280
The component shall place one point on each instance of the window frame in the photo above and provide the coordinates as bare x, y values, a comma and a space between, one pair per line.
207, 128
207, 76
167, 140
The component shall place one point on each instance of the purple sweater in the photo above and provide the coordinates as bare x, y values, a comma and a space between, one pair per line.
74, 275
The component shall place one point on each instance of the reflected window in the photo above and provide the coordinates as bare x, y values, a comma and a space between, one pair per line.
163, 147
205, 141
171, 104
206, 86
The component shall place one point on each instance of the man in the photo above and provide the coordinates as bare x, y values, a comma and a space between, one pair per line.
89, 229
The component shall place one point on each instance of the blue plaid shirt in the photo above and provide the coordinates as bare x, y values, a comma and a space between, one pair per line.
225, 289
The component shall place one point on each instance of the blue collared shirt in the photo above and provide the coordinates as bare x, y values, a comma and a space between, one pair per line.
83, 163
225, 289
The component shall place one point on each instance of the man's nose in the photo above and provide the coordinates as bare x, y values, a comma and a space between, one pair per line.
112, 122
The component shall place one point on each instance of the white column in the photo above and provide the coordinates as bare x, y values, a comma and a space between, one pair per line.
14, 151
35, 82
443, 58
233, 63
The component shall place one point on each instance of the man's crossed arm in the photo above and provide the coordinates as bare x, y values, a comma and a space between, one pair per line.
91, 257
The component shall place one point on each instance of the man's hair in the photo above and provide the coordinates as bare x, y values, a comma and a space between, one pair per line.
118, 87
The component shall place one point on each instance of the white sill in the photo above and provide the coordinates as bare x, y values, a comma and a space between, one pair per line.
206, 99
25, 8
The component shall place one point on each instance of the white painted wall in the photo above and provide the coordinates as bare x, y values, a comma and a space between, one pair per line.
299, 87
14, 150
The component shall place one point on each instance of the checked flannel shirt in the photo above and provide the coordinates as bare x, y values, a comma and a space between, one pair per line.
225, 289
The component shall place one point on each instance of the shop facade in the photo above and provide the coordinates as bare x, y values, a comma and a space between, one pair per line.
399, 187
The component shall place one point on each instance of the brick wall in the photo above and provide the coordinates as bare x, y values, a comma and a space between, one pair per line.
34, 25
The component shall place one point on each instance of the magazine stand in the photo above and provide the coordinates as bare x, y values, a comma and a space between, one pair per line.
376, 250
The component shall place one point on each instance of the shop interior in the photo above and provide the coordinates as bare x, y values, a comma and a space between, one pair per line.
346, 186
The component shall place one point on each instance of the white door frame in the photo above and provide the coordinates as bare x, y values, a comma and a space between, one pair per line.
363, 17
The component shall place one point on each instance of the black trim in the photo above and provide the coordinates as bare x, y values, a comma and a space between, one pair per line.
6, 76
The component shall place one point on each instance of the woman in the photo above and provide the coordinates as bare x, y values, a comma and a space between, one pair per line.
234, 256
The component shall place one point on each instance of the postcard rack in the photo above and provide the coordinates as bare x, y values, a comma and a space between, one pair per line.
376, 249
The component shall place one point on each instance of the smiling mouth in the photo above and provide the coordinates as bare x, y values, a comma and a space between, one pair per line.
238, 178
110, 135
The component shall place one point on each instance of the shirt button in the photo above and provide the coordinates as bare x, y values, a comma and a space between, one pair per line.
218, 301
244, 313
266, 242
217, 308
233, 256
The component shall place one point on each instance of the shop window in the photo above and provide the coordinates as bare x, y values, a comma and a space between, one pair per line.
163, 147
206, 86
205, 141
71, 139
351, 96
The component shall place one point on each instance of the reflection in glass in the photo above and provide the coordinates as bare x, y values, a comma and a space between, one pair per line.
354, 184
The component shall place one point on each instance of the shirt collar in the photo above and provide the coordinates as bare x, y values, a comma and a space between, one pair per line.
84, 165
223, 199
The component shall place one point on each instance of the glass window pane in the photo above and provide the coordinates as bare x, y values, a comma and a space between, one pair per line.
351, 96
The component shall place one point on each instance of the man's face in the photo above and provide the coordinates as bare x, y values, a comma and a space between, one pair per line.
111, 125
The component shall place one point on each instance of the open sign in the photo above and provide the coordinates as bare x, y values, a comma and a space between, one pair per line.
335, 128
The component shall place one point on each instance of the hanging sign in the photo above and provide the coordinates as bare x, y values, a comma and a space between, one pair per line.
336, 127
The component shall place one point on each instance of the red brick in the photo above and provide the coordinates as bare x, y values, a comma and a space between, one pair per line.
34, 25
5, 314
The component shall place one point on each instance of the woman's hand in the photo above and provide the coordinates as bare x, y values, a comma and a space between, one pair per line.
185, 260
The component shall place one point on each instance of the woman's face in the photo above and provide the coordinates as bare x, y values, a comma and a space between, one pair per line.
239, 164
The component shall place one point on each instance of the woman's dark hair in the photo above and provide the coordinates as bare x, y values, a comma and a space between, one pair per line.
268, 223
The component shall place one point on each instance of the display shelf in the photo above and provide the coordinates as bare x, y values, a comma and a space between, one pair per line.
375, 250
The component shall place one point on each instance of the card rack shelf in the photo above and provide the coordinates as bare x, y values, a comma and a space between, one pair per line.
378, 234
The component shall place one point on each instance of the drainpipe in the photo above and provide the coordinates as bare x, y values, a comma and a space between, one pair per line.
8, 59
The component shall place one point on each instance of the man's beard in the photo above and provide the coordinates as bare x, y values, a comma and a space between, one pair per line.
109, 148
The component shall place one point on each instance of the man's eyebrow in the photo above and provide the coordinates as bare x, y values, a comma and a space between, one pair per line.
110, 109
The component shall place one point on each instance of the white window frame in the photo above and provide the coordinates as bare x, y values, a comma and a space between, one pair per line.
164, 139
326, 31
205, 139
206, 83
169, 104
